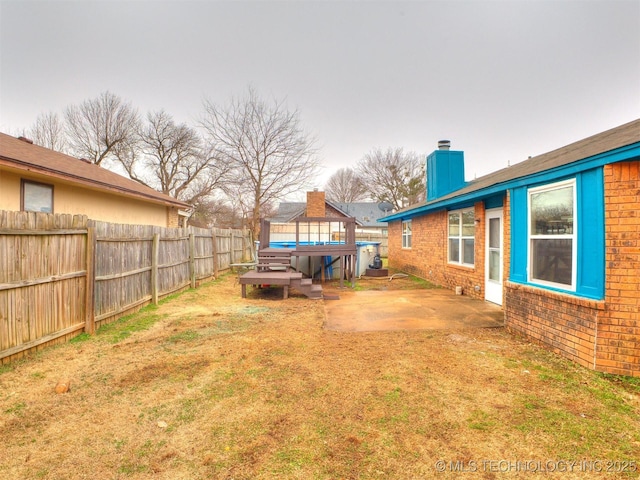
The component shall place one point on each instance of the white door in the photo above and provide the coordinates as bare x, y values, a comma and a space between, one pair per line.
493, 260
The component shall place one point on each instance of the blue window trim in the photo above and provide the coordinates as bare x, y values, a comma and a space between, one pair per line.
590, 264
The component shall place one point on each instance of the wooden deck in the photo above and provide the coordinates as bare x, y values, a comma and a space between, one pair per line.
274, 266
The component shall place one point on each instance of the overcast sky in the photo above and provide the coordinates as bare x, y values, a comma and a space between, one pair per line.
502, 80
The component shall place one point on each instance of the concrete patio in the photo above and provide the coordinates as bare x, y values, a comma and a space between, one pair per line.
431, 309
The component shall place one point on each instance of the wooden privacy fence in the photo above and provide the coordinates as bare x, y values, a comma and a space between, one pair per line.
63, 274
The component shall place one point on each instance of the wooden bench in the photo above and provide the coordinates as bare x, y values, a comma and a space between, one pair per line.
269, 278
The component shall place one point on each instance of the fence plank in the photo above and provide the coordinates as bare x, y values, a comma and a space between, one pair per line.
60, 274
154, 269
90, 323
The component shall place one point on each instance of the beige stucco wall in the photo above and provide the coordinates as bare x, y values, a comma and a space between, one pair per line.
78, 200
9, 191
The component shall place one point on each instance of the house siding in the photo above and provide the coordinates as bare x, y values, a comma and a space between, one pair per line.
427, 258
599, 334
97, 205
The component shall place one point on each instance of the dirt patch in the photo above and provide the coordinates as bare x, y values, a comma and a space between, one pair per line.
220, 387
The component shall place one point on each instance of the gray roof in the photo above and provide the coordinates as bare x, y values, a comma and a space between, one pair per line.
288, 211
366, 213
615, 138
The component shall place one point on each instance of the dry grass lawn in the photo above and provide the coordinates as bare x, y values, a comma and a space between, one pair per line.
210, 386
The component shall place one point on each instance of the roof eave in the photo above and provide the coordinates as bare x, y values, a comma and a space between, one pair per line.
612, 156
29, 167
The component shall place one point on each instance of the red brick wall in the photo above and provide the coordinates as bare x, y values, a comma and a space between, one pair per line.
315, 204
603, 335
563, 323
427, 257
618, 348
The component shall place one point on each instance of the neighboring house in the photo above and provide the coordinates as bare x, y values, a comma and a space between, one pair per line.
366, 214
34, 178
555, 240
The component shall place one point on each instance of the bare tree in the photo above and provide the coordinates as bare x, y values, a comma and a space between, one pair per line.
264, 144
345, 185
173, 159
216, 212
49, 131
97, 127
394, 176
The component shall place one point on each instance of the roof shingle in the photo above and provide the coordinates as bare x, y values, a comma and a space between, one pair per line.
25, 156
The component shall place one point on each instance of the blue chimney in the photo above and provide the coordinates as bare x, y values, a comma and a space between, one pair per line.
445, 171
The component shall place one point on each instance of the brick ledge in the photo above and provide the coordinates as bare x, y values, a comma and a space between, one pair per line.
563, 297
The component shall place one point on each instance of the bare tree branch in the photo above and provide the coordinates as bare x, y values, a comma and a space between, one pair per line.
48, 131
171, 158
269, 154
345, 185
393, 176
97, 127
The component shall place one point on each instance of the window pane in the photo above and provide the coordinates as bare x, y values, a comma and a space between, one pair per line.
38, 198
494, 233
552, 212
454, 250
468, 223
551, 260
494, 265
468, 245
468, 231
454, 224
468, 217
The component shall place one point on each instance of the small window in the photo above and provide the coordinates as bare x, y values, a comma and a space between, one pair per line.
462, 231
552, 234
406, 234
37, 197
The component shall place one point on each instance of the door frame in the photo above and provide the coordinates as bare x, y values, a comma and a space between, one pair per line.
494, 292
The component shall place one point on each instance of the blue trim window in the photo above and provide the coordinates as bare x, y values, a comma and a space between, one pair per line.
406, 234
557, 234
552, 235
462, 234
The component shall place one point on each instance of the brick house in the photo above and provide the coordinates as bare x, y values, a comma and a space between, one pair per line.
34, 178
554, 239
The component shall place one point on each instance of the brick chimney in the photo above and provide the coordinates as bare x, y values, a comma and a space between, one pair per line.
315, 204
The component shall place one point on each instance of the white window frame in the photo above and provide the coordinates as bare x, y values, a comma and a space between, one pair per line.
460, 237
407, 228
573, 236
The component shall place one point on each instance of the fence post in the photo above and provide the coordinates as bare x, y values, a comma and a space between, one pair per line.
155, 248
232, 247
214, 249
89, 303
192, 259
